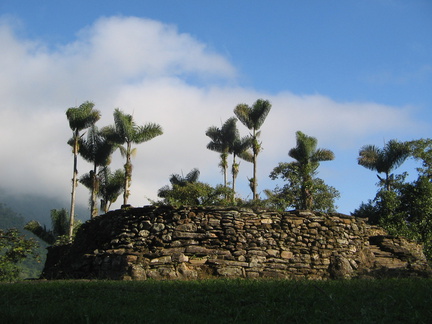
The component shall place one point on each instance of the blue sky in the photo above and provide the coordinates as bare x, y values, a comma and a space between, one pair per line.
347, 72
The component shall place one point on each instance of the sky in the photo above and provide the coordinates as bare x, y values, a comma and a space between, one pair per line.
347, 72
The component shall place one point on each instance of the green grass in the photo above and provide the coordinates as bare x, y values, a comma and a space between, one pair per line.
218, 301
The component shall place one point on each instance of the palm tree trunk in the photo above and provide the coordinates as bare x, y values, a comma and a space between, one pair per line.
387, 182
255, 148
307, 196
254, 183
234, 171
93, 209
128, 175
74, 185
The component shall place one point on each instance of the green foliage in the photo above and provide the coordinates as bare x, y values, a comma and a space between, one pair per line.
30, 267
110, 186
404, 211
384, 160
14, 248
83, 116
187, 190
401, 208
301, 175
194, 194
422, 150
222, 140
96, 149
58, 234
290, 195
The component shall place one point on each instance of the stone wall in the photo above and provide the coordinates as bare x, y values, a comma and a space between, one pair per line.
192, 243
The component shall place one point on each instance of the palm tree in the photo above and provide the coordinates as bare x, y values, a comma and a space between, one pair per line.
179, 180
221, 142
126, 132
308, 158
79, 118
111, 185
240, 147
384, 160
253, 118
95, 149
59, 224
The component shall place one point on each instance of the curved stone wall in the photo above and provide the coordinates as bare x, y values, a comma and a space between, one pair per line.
191, 243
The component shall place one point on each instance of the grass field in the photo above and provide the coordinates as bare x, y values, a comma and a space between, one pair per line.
218, 301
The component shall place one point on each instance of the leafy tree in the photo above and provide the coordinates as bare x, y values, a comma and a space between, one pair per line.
253, 118
96, 149
422, 150
222, 140
384, 160
308, 159
58, 234
406, 211
126, 132
187, 190
14, 248
290, 195
111, 185
79, 119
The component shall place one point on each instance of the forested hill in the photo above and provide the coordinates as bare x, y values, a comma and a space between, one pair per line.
10, 219
38, 208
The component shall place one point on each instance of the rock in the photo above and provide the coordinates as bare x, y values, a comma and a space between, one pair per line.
340, 267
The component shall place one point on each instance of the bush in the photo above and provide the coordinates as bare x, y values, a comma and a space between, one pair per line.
14, 248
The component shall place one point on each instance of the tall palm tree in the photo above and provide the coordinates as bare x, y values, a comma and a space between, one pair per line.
240, 148
222, 140
253, 118
126, 132
384, 160
96, 149
308, 159
79, 119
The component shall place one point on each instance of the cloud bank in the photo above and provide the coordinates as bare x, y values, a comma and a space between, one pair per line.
158, 74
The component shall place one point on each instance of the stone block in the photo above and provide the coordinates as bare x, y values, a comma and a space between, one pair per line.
286, 255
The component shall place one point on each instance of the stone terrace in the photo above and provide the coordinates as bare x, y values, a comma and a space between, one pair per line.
192, 243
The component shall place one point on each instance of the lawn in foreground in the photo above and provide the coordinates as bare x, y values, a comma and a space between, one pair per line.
218, 301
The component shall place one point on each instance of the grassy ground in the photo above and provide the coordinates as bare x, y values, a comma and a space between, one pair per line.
218, 301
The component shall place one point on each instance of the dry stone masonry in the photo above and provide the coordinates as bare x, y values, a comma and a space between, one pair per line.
205, 242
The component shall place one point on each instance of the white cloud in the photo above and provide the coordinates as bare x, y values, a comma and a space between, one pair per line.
143, 67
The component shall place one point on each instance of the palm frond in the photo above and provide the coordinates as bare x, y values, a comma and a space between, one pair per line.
193, 175
243, 113
83, 116
369, 156
321, 155
253, 117
146, 132
259, 112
